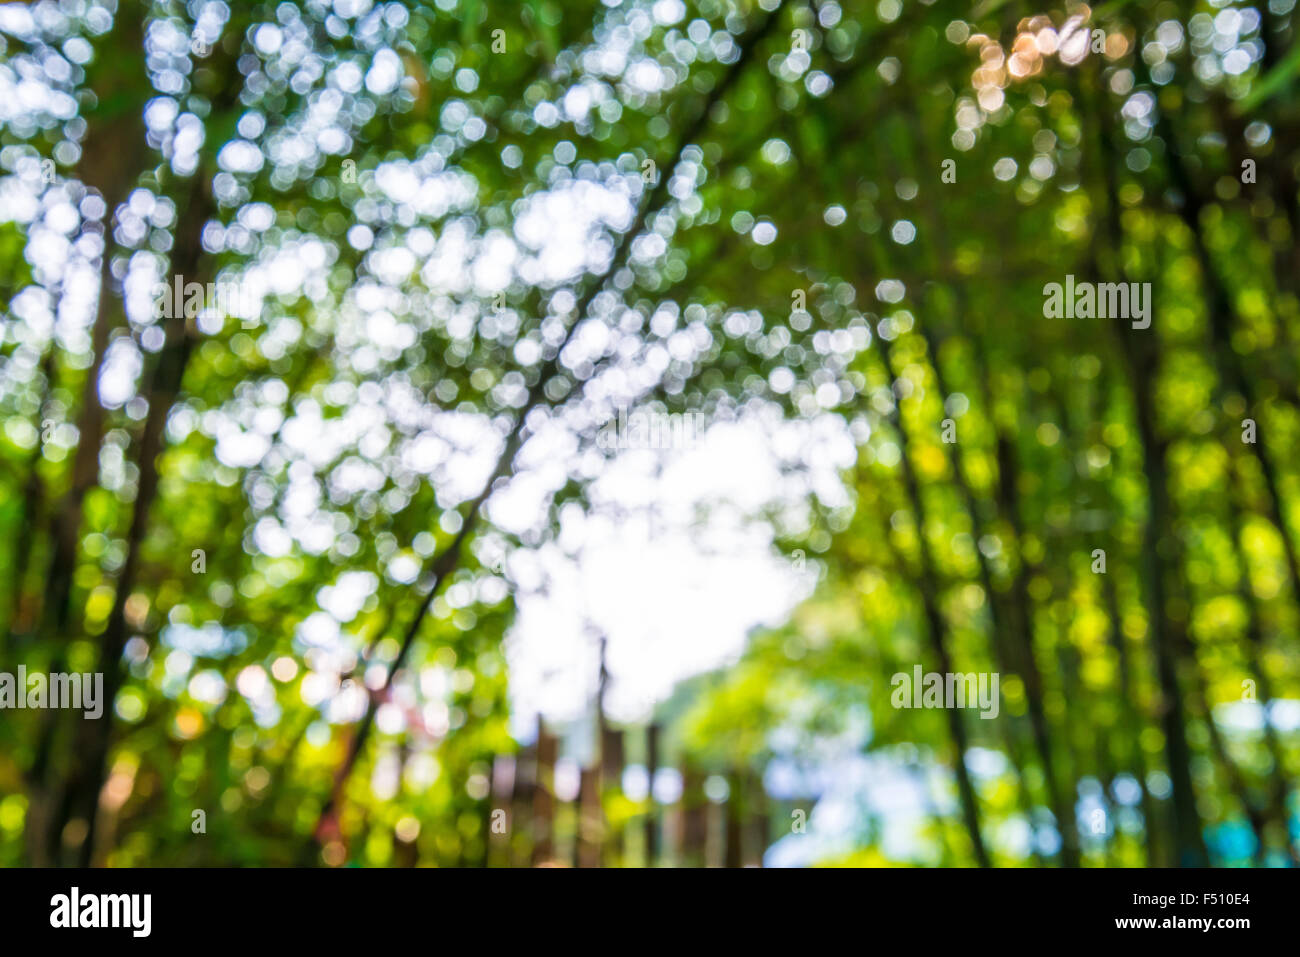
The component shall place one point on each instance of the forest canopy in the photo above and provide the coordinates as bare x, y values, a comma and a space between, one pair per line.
335, 332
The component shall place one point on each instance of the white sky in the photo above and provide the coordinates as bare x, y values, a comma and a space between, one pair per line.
673, 598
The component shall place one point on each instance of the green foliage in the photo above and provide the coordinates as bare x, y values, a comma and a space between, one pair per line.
247, 535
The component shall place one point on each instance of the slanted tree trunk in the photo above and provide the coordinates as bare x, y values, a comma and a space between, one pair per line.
1139, 351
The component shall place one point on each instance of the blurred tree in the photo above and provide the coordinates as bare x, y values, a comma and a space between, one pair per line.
459, 236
